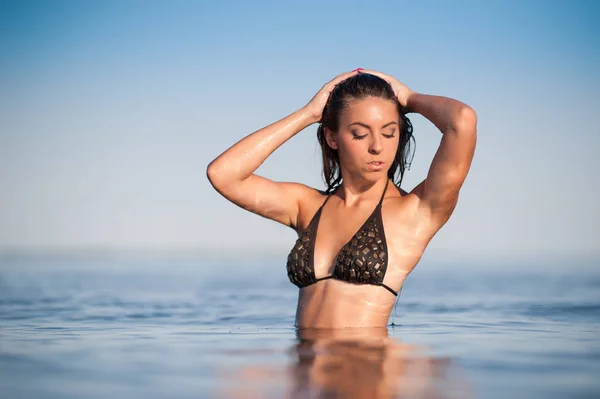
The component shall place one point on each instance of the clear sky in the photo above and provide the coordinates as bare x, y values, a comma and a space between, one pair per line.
110, 112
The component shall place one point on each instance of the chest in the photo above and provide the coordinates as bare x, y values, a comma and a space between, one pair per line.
390, 234
334, 231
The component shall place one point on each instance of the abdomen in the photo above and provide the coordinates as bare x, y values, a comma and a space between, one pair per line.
337, 304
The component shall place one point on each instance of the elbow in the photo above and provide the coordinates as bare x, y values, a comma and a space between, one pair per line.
219, 176
464, 125
212, 174
466, 121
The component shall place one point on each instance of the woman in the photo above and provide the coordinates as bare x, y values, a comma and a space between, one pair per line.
359, 240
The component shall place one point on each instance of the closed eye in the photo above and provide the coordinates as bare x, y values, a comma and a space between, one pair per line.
356, 136
391, 135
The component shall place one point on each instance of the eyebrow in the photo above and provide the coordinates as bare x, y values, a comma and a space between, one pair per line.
369, 127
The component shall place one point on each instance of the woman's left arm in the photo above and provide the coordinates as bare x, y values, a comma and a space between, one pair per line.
451, 163
448, 171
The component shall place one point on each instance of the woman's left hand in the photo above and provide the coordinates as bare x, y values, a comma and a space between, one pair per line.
400, 89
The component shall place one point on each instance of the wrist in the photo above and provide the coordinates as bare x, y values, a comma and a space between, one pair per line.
411, 102
307, 116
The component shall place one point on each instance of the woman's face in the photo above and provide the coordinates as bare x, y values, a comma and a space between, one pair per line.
367, 139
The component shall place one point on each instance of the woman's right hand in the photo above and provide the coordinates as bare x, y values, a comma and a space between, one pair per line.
401, 91
317, 104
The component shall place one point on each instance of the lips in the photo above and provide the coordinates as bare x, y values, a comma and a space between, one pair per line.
376, 165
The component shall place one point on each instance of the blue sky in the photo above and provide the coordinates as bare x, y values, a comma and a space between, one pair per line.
111, 110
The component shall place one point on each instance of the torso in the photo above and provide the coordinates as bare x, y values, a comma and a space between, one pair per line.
336, 303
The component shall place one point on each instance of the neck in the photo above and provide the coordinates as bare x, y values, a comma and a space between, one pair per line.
353, 191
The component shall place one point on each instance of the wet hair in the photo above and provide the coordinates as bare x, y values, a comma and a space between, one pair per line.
355, 88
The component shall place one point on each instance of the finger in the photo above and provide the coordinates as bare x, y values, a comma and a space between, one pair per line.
372, 72
341, 77
377, 73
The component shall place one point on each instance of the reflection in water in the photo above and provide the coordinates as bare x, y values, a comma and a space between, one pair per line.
352, 363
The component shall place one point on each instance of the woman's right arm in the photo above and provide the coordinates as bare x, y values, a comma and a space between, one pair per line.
232, 173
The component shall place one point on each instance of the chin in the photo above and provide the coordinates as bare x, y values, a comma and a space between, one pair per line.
375, 176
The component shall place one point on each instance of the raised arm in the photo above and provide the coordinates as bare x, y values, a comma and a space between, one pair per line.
451, 163
232, 173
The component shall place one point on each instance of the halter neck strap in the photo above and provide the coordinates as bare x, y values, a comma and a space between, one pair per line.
387, 182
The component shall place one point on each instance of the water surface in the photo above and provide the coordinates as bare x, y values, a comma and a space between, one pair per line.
193, 328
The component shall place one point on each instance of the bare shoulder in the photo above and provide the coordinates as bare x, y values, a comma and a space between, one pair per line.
406, 210
309, 201
431, 219
399, 200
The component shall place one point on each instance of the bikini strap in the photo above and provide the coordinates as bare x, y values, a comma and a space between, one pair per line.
389, 289
317, 214
384, 191
326, 199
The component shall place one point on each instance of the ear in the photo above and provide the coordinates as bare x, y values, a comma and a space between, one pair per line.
330, 138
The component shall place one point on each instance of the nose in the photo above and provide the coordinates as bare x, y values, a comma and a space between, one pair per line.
376, 144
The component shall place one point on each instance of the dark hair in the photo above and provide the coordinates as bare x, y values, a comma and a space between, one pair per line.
355, 88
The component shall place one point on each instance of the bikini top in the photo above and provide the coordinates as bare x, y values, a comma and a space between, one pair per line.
362, 260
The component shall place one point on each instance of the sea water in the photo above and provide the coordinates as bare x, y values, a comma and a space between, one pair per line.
81, 328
